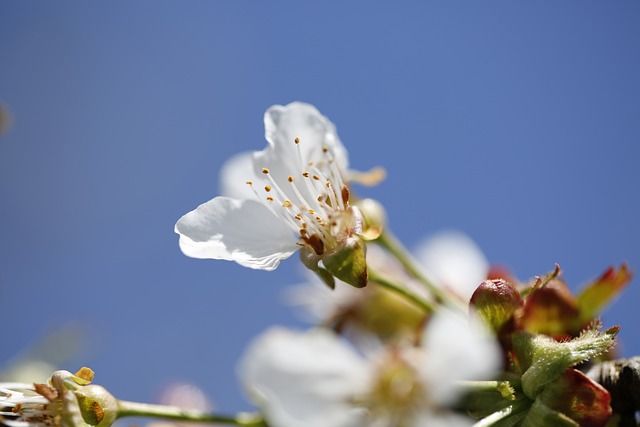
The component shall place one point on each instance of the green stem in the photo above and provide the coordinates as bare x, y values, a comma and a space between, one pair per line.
393, 245
502, 387
135, 409
401, 290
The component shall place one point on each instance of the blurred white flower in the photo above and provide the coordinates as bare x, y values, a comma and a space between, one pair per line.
185, 396
288, 196
452, 260
371, 309
315, 379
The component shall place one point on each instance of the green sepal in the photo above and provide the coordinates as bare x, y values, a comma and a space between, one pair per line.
348, 264
543, 359
540, 415
310, 260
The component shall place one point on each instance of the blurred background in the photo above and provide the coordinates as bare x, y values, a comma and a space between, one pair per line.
517, 123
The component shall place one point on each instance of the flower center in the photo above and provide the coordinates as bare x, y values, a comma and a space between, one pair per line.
313, 201
26, 407
396, 391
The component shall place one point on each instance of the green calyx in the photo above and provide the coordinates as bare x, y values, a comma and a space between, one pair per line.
543, 359
348, 264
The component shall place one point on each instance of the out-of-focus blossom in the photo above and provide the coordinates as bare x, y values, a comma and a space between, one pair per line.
452, 260
373, 309
289, 196
317, 379
185, 396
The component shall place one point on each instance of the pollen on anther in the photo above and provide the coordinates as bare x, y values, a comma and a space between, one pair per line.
304, 225
286, 204
303, 231
320, 198
316, 177
298, 217
267, 188
325, 149
305, 174
270, 199
265, 171
249, 183
290, 179
311, 211
297, 140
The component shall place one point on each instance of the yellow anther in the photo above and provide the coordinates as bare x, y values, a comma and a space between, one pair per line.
320, 199
311, 211
297, 140
249, 183
304, 225
290, 179
298, 217
305, 174
316, 177
303, 231
325, 149
267, 188
328, 184
286, 204
265, 171
270, 199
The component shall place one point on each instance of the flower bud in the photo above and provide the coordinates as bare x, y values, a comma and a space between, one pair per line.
552, 310
98, 407
496, 302
375, 218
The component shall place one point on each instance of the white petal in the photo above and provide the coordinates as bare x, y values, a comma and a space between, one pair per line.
283, 124
451, 259
234, 175
244, 231
305, 379
458, 349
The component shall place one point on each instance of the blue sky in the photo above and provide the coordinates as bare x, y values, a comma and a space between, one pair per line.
517, 123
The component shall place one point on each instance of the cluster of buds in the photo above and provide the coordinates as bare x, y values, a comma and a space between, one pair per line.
545, 332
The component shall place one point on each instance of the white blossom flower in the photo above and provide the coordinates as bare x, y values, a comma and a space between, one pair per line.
57, 404
290, 195
21, 405
315, 379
